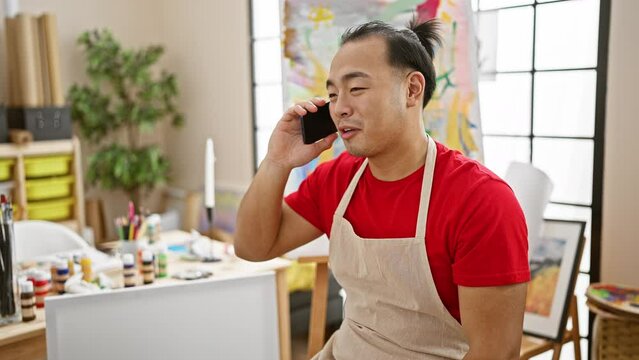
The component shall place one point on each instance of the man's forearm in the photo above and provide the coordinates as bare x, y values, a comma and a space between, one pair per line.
260, 212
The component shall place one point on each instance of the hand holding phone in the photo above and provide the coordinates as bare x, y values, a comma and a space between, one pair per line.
286, 147
317, 125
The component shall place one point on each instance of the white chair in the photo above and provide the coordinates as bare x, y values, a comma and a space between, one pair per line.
36, 239
532, 188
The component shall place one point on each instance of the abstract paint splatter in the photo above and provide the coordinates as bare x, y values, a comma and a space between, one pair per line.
311, 38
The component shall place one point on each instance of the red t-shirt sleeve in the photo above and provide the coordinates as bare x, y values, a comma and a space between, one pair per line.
492, 241
305, 201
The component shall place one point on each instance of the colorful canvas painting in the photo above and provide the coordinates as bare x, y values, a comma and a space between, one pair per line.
311, 32
545, 265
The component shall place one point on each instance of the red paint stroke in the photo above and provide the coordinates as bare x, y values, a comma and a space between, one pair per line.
427, 10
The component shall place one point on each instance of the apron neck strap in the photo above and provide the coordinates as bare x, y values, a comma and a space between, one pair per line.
427, 186
346, 198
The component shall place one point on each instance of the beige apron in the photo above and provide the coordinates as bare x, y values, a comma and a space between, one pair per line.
392, 308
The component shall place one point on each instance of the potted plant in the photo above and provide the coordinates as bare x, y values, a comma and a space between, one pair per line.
124, 97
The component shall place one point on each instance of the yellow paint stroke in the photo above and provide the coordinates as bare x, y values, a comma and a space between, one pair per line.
445, 17
433, 111
320, 74
289, 33
320, 14
459, 135
452, 129
452, 3
326, 155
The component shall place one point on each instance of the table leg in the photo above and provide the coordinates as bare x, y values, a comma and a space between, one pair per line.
319, 302
284, 315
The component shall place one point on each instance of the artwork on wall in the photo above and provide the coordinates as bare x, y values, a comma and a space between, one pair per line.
311, 33
553, 268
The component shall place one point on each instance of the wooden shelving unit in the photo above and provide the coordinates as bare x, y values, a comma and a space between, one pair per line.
46, 148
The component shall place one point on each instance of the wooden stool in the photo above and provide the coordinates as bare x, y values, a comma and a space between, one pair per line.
319, 300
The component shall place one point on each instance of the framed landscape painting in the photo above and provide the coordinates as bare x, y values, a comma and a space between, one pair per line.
554, 264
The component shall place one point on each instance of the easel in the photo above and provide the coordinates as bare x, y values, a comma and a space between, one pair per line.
532, 346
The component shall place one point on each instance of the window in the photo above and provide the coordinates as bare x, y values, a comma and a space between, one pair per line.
268, 102
542, 77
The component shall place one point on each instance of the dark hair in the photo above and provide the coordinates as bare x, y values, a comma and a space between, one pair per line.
411, 48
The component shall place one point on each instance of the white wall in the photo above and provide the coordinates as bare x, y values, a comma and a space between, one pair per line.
620, 235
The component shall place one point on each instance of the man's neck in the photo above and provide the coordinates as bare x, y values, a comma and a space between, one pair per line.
402, 160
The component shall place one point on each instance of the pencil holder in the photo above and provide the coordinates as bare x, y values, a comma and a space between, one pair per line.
9, 295
130, 247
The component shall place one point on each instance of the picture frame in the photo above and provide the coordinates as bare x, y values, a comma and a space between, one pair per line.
554, 264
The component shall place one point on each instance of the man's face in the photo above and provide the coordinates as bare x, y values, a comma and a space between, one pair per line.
367, 97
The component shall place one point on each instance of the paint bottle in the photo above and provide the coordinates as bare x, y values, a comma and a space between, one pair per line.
27, 299
54, 278
62, 272
128, 270
42, 288
87, 273
71, 266
162, 262
148, 273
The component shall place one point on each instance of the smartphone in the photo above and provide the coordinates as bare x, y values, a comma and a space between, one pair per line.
317, 125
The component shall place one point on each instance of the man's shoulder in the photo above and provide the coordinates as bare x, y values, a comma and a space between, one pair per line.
459, 171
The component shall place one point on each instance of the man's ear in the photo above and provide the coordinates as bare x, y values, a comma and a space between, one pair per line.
415, 90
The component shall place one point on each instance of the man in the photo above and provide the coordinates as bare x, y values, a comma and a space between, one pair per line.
430, 246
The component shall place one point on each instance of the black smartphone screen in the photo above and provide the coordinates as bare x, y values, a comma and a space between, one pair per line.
317, 125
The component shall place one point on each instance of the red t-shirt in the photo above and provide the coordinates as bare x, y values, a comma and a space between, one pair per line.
476, 233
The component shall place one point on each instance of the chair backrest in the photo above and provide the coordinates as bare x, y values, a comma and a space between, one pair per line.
35, 238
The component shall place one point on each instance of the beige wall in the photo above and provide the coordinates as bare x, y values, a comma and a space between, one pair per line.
620, 237
207, 46
130, 22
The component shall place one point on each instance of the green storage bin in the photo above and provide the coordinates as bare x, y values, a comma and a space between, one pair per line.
5, 169
51, 210
49, 188
35, 167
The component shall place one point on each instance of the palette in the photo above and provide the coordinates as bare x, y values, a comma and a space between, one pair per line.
616, 298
